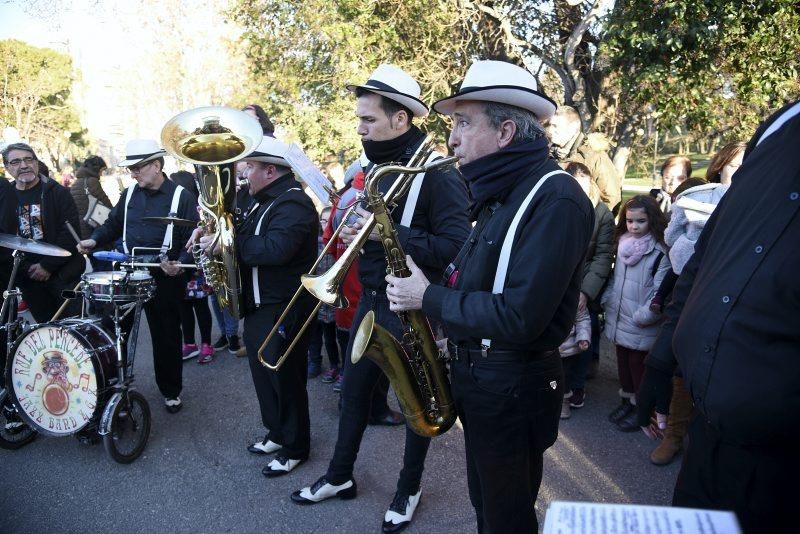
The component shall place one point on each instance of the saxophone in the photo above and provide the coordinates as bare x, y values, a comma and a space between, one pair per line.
414, 364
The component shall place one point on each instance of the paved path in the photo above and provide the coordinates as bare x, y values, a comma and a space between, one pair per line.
195, 475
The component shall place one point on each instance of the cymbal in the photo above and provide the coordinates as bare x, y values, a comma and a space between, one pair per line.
170, 220
31, 245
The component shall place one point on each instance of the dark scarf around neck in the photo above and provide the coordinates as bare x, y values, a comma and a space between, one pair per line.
392, 149
493, 176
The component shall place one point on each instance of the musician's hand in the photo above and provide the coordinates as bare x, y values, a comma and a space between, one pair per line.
349, 232
171, 268
406, 293
197, 233
38, 273
206, 241
86, 246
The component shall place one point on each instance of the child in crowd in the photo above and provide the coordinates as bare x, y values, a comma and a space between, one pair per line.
325, 326
631, 325
674, 171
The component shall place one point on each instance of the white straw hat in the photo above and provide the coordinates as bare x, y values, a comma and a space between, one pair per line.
269, 150
501, 82
140, 151
395, 84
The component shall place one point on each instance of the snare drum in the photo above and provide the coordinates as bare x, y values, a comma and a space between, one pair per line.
117, 286
61, 375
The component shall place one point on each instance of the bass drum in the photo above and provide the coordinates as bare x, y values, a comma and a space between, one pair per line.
60, 375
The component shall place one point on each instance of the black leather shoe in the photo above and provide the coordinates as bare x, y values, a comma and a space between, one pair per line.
281, 466
629, 423
391, 418
621, 411
322, 489
400, 512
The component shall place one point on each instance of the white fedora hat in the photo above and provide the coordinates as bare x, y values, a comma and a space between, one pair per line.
395, 84
269, 150
140, 151
501, 82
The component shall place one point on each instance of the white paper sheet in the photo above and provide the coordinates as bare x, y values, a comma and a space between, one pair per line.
596, 518
309, 174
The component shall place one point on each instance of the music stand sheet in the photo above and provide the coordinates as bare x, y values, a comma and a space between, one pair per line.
307, 172
595, 518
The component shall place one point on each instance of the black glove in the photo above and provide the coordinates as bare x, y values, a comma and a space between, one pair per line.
655, 392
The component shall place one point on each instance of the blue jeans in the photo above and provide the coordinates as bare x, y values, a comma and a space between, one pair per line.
226, 323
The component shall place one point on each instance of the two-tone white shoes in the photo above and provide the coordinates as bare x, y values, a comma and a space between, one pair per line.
281, 466
400, 512
264, 447
322, 489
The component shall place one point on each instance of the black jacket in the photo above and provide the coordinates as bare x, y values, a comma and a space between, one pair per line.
734, 321
439, 226
148, 203
537, 307
58, 208
87, 179
8, 225
285, 246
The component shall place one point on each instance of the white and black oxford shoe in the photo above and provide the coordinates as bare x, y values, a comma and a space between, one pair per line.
281, 466
400, 512
264, 447
322, 489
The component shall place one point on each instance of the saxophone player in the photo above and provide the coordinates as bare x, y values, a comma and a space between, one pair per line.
276, 241
432, 224
154, 194
506, 308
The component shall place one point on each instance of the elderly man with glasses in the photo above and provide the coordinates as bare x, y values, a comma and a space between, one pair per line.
43, 207
154, 195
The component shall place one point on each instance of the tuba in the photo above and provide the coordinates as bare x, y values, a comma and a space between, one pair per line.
212, 138
414, 364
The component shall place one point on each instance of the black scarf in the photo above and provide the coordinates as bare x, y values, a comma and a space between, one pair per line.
493, 176
391, 149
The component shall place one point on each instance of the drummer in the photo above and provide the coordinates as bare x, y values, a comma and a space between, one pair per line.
154, 195
43, 207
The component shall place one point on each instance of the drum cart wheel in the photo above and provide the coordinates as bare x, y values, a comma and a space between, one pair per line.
14, 432
130, 428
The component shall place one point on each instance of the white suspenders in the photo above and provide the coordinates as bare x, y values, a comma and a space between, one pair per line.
413, 193
173, 209
508, 241
256, 289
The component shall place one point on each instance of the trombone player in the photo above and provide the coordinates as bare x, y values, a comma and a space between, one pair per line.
276, 242
432, 225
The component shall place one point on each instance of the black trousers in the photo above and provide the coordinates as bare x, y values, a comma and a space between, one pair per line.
759, 485
360, 381
510, 411
282, 394
44, 298
191, 308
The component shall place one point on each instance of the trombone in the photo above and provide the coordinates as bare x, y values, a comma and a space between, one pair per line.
326, 287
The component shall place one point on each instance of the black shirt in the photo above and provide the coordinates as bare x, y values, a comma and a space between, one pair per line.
284, 247
734, 321
439, 226
150, 203
537, 307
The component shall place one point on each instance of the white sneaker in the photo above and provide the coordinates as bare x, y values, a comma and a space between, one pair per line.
401, 511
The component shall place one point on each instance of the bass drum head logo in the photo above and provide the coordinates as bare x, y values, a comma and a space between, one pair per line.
53, 380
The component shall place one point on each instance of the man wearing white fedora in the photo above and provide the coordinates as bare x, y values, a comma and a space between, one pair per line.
276, 241
431, 226
512, 291
153, 195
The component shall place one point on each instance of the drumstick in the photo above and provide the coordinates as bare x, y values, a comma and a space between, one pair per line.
74, 233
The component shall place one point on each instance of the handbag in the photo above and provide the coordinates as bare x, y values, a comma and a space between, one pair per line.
97, 213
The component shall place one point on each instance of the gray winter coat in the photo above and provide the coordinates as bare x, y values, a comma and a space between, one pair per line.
626, 301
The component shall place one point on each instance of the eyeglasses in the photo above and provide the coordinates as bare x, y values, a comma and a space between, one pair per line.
18, 161
138, 168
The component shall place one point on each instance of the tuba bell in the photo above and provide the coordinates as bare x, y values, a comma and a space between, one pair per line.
212, 138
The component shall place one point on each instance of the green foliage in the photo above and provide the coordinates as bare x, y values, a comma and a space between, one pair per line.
715, 66
34, 95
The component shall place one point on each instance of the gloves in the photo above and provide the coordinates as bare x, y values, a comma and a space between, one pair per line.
655, 393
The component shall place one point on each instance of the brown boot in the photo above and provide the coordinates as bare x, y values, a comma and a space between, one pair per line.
680, 412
